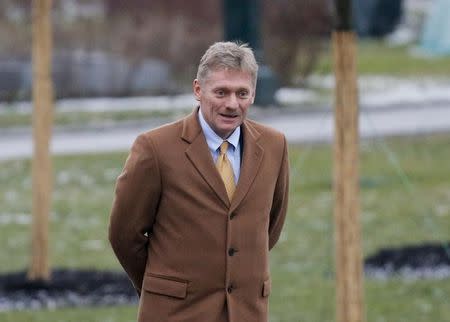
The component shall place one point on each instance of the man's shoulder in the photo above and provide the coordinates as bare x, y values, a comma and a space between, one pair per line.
264, 130
165, 131
161, 137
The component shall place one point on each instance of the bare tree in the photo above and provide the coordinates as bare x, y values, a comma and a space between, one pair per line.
294, 36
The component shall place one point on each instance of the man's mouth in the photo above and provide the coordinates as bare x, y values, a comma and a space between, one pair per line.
229, 115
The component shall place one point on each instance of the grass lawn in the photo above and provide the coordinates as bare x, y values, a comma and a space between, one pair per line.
376, 57
302, 263
79, 118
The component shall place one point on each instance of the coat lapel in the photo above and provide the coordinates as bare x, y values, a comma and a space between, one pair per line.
251, 161
198, 153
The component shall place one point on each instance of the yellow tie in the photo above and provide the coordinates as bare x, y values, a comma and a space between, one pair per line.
225, 169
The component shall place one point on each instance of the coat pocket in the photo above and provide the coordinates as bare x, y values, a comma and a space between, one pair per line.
165, 286
267, 285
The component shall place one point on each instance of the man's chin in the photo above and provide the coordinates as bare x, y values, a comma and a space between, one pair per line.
225, 132
230, 127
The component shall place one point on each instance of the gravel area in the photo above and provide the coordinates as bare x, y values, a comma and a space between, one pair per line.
67, 288
429, 260
74, 288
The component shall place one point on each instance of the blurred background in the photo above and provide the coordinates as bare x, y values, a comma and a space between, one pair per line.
122, 67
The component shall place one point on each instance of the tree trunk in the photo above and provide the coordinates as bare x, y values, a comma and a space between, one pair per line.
349, 276
42, 125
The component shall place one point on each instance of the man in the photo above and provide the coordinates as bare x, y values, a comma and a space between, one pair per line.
201, 201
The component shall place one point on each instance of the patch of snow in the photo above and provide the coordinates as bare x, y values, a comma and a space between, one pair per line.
407, 93
17, 242
401, 36
63, 177
107, 104
323, 82
19, 219
377, 91
26, 182
11, 195
367, 217
111, 173
86, 180
74, 177
409, 273
289, 96
442, 210
292, 266
92, 245
418, 5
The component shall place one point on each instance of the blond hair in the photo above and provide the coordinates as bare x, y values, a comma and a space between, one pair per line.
228, 55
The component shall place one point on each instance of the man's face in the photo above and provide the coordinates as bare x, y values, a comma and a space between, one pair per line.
225, 96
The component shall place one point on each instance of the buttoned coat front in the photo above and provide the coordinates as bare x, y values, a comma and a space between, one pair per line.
192, 255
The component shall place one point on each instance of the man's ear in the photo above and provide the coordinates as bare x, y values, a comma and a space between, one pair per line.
197, 89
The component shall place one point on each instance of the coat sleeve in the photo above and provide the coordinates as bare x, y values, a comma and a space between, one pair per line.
134, 209
280, 200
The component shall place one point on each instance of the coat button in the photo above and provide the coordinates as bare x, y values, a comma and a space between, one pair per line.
231, 251
232, 215
230, 288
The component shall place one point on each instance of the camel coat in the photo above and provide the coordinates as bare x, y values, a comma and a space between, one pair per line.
191, 254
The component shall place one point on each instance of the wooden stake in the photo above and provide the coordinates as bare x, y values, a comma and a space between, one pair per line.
42, 123
349, 277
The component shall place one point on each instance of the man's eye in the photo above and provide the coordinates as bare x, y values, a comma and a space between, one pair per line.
220, 93
243, 94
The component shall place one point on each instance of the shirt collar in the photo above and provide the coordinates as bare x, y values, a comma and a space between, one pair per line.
214, 141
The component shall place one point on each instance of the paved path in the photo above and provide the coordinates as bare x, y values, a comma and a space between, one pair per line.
298, 127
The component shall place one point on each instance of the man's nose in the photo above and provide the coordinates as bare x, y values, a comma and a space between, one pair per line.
233, 102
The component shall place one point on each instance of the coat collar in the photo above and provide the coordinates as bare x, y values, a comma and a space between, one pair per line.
198, 153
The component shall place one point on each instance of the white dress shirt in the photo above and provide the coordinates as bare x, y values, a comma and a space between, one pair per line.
214, 141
